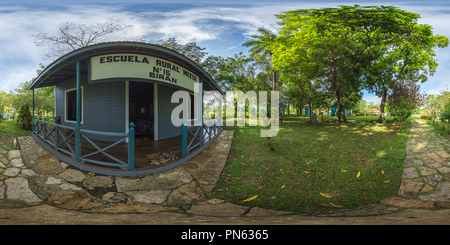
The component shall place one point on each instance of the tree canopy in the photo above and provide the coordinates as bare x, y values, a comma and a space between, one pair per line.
350, 45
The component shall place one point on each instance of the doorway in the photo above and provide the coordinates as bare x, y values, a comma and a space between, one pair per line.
141, 109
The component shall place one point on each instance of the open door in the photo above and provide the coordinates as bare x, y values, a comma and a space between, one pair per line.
141, 108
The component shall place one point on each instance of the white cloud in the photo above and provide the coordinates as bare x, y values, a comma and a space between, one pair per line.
372, 98
20, 56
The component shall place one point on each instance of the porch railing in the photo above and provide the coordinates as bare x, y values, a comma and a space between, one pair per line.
194, 136
62, 138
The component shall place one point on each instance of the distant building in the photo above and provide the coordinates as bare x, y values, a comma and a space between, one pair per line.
375, 111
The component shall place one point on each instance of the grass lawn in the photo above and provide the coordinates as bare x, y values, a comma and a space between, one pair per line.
327, 165
11, 129
438, 127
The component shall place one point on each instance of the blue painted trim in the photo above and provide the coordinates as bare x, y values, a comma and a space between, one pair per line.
77, 128
201, 112
131, 147
184, 140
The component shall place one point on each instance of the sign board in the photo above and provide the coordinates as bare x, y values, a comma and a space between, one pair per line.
137, 66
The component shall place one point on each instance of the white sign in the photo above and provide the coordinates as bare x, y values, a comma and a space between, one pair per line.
129, 66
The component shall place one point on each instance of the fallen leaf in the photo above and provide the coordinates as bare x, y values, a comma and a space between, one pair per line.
306, 172
325, 195
358, 174
331, 146
330, 205
283, 187
242, 163
242, 156
251, 198
261, 186
387, 181
382, 172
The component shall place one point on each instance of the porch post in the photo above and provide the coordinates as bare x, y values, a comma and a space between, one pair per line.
77, 127
184, 139
32, 119
131, 147
201, 111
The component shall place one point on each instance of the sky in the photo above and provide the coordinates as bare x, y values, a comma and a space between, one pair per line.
219, 26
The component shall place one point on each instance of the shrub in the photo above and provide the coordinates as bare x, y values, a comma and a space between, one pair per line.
404, 98
25, 116
401, 111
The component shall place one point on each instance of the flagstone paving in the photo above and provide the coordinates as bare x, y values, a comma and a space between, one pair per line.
426, 173
33, 176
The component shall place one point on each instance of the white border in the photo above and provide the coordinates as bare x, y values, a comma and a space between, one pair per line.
82, 105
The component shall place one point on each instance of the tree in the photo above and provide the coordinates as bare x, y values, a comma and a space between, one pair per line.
2, 104
259, 50
44, 99
190, 49
340, 41
25, 116
435, 104
404, 98
411, 58
72, 36
445, 115
299, 73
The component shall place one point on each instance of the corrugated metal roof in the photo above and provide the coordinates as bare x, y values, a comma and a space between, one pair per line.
64, 67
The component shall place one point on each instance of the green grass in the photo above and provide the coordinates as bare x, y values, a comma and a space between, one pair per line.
438, 127
312, 159
11, 129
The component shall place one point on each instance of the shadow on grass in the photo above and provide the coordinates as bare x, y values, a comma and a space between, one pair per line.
352, 164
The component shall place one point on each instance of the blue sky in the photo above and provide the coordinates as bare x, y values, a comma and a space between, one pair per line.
219, 26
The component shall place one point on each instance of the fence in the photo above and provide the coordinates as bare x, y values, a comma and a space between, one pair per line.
200, 134
62, 138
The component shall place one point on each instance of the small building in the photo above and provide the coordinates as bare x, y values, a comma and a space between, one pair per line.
375, 111
346, 112
113, 94
307, 111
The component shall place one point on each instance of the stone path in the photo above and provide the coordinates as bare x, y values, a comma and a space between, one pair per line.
426, 174
33, 176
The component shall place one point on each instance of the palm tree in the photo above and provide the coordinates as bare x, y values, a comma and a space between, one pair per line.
258, 47
259, 43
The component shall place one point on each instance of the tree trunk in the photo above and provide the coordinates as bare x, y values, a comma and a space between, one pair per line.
344, 118
274, 79
382, 106
310, 102
337, 94
336, 88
